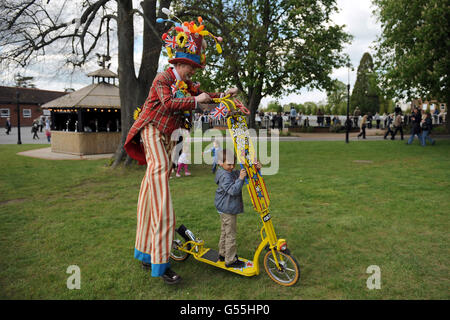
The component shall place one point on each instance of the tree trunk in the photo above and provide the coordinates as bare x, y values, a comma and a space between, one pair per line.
127, 78
253, 104
134, 91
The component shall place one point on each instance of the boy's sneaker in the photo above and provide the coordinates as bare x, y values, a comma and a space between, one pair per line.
187, 173
178, 175
222, 258
236, 264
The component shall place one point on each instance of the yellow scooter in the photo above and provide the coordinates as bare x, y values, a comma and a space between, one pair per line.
279, 263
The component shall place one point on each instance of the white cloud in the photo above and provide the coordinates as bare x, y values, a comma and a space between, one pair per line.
359, 22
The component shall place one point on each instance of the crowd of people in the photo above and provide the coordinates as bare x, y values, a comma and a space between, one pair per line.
420, 121
38, 125
393, 123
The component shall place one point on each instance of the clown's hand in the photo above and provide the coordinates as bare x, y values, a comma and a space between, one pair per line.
258, 165
203, 98
232, 91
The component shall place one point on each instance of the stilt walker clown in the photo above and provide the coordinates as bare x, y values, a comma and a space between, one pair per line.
170, 103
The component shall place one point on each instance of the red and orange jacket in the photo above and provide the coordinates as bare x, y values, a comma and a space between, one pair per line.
162, 110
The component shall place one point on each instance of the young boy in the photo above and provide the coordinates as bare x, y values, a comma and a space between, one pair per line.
228, 201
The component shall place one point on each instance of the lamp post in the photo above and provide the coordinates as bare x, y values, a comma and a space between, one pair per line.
347, 122
19, 141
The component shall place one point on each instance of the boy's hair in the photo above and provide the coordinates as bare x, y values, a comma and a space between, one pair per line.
225, 155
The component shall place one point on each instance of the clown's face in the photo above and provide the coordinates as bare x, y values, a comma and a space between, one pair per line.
186, 71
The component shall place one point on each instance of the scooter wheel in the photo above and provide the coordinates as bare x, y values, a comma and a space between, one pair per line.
175, 253
289, 271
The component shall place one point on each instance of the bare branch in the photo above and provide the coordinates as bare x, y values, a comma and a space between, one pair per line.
21, 11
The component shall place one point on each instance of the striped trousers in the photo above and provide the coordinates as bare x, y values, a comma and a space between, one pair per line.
155, 215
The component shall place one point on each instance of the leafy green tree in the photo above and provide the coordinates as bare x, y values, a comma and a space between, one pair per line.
337, 98
413, 51
287, 107
301, 108
310, 107
270, 47
383, 108
365, 92
274, 106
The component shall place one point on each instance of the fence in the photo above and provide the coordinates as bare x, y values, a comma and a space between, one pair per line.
307, 120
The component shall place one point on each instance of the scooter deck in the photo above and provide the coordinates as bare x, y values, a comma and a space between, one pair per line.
212, 257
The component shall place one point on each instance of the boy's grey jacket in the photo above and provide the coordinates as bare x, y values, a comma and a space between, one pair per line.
229, 192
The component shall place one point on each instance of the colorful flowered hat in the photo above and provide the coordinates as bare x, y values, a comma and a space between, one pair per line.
184, 41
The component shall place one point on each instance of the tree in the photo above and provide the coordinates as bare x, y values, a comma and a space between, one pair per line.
365, 91
274, 106
270, 47
310, 108
30, 29
288, 107
413, 51
386, 105
337, 97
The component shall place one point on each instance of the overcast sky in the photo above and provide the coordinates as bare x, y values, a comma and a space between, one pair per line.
355, 14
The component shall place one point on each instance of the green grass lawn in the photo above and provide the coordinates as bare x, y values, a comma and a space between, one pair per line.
339, 217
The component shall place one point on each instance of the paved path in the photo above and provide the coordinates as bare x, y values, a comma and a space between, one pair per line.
46, 153
25, 136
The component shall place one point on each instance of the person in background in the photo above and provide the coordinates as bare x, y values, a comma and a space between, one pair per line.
299, 119
427, 126
416, 119
183, 162
369, 120
398, 126
293, 115
8, 126
389, 125
47, 130
279, 121
306, 122
41, 123
215, 149
319, 115
377, 119
436, 115
258, 119
356, 115
362, 126
35, 129
384, 117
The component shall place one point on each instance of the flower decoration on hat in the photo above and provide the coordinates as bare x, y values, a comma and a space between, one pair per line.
184, 42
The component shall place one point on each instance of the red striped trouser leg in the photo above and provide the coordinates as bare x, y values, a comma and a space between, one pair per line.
155, 215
